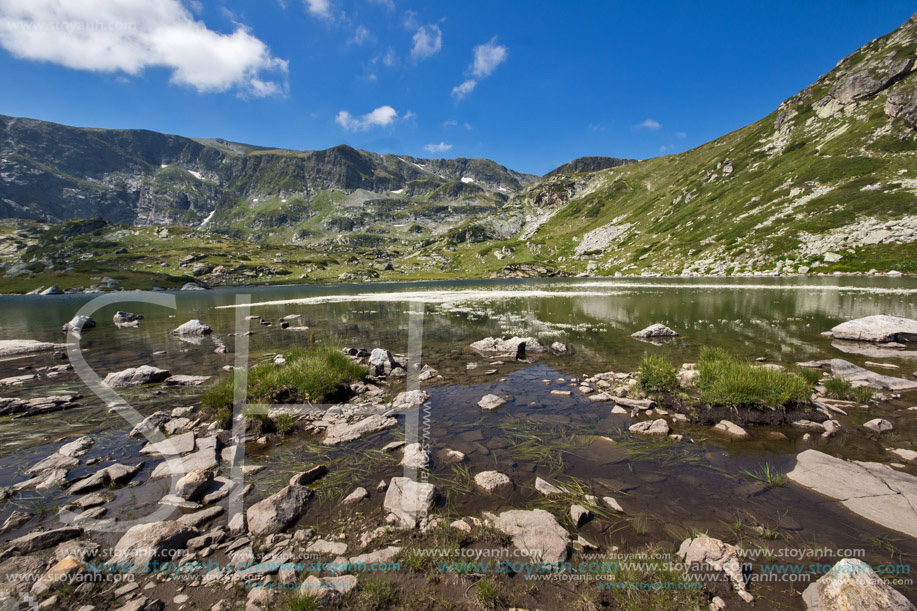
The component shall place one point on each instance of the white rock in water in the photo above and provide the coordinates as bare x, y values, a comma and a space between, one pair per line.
20, 347
731, 429
489, 403
490, 481
516, 346
655, 427
192, 327
851, 584
879, 425
878, 328
656, 330
135, 376
409, 500
415, 457
79, 323
546, 488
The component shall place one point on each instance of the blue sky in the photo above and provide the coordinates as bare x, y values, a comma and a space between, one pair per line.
528, 84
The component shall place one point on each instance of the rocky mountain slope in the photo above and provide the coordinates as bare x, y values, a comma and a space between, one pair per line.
826, 182
829, 179
52, 173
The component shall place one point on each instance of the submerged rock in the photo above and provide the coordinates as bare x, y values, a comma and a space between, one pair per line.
22, 347
730, 429
879, 328
122, 318
489, 403
344, 432
852, 585
409, 400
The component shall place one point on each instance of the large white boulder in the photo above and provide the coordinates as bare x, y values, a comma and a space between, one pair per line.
877, 328
852, 585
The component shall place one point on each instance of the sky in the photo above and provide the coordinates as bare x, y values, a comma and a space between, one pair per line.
529, 84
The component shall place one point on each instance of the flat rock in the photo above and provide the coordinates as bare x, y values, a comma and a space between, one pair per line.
185, 380
356, 496
146, 542
149, 424
44, 539
54, 461
10, 348
135, 376
879, 328
516, 347
344, 432
191, 486
547, 488
76, 448
536, 533
278, 511
855, 373
173, 446
874, 491
852, 585
308, 476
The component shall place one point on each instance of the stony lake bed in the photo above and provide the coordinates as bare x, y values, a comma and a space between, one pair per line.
561, 453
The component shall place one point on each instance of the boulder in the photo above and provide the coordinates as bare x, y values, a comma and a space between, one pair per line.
135, 376
559, 347
382, 362
579, 515
356, 496
656, 330
192, 486
874, 491
516, 347
78, 323
146, 542
878, 328
310, 475
52, 290
278, 511
409, 500
76, 448
491, 481
536, 533
852, 585
547, 488
192, 327
489, 403
343, 432
44, 539
654, 427
149, 424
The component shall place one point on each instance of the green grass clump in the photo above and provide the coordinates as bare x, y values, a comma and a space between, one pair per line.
317, 375
811, 376
838, 388
284, 423
724, 380
767, 474
657, 374
863, 394
487, 594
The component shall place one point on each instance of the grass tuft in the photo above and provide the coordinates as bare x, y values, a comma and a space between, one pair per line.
724, 380
838, 388
657, 374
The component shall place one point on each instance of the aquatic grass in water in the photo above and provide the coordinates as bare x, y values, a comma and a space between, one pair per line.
724, 380
838, 388
768, 474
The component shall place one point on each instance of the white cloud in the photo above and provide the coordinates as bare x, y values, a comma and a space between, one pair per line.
388, 58
450, 123
467, 125
596, 127
442, 147
487, 57
388, 4
410, 20
125, 37
360, 35
383, 116
428, 40
681, 135
650, 124
319, 8
460, 91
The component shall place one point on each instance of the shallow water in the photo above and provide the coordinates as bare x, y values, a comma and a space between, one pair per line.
668, 489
